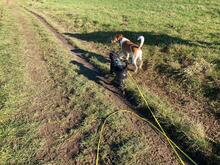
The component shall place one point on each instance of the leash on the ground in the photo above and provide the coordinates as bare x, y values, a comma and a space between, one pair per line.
161, 130
157, 121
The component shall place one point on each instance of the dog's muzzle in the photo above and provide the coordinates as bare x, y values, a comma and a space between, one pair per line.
113, 41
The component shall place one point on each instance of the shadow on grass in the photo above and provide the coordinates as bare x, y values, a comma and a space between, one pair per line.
217, 63
93, 76
216, 148
86, 71
134, 101
86, 54
198, 156
173, 132
212, 91
151, 38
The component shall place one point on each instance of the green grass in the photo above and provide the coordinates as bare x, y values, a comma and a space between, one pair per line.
27, 134
193, 130
182, 44
15, 130
89, 101
184, 33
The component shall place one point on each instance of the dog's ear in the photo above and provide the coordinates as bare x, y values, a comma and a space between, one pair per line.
111, 54
119, 36
114, 40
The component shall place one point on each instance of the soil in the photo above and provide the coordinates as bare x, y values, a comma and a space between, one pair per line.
48, 95
197, 109
114, 95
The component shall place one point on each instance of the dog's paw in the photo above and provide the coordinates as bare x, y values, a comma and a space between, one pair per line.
135, 71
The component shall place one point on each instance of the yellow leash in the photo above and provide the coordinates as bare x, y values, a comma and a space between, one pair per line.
157, 121
151, 124
161, 130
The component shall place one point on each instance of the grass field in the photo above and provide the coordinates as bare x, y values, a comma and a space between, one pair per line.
56, 114
182, 39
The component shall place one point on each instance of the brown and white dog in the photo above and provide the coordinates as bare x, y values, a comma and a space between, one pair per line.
129, 48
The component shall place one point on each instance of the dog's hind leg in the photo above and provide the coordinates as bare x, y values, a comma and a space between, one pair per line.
141, 60
141, 64
134, 61
136, 68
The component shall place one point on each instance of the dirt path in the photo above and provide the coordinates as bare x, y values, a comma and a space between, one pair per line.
94, 73
47, 94
160, 149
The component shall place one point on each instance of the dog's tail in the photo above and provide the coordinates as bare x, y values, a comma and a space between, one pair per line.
142, 41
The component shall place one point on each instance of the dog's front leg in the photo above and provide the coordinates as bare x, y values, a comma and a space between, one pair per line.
127, 56
121, 54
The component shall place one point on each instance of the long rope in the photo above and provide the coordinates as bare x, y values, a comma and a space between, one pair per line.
144, 119
173, 145
161, 130
157, 121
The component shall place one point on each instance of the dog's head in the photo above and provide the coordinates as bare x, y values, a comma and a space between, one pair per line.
117, 38
113, 55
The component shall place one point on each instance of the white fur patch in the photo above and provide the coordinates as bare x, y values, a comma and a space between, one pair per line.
142, 41
123, 40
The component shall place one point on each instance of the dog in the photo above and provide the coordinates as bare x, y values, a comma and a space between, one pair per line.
129, 48
118, 67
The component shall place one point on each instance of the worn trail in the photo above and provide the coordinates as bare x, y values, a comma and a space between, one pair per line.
159, 149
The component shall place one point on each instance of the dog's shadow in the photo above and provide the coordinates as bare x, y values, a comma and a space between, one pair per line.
151, 38
95, 76
87, 54
85, 71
